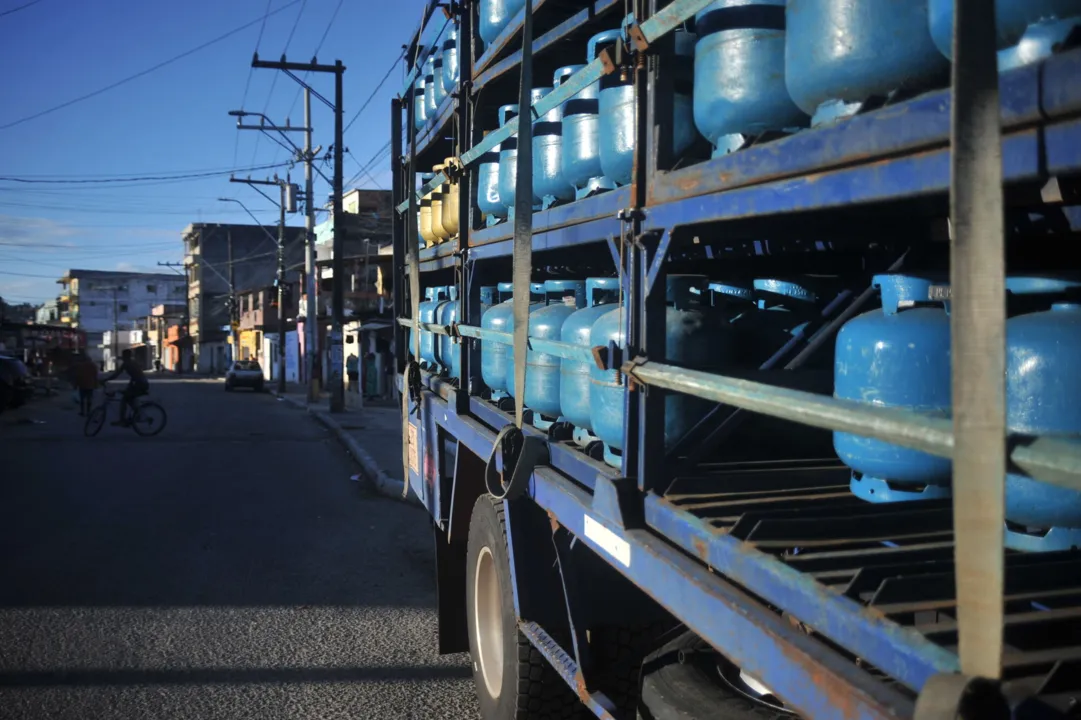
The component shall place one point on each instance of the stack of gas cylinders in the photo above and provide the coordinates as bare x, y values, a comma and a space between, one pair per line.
898, 355
761, 67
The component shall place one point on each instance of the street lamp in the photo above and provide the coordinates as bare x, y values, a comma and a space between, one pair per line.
252, 216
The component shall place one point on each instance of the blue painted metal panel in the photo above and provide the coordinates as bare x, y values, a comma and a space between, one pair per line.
904, 177
809, 677
922, 122
438, 257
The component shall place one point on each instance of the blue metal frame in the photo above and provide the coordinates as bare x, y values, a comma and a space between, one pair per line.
691, 566
816, 681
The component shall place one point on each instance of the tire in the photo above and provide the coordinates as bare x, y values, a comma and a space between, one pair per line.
524, 686
94, 421
682, 681
149, 419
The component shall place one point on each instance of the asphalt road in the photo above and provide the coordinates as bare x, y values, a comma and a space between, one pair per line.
226, 568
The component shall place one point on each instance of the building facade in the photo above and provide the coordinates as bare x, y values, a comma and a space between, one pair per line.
96, 301
223, 260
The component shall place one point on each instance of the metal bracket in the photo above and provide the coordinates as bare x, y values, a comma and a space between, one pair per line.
628, 367
608, 65
634, 30
959, 697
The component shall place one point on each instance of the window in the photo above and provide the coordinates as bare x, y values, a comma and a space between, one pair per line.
152, 289
123, 307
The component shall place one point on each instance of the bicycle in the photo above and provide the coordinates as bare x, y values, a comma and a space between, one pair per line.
148, 418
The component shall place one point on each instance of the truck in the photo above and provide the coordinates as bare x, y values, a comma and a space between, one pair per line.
737, 347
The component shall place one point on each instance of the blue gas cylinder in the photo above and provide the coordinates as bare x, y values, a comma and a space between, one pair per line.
437, 77
1043, 390
537, 301
488, 199
739, 89
617, 118
548, 181
450, 60
494, 15
429, 87
574, 382
896, 356
493, 355
1028, 30
508, 162
784, 309
428, 314
581, 160
694, 338
500, 317
841, 53
420, 110
489, 296
563, 297
448, 350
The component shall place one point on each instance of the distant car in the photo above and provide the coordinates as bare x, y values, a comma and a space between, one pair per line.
244, 373
15, 385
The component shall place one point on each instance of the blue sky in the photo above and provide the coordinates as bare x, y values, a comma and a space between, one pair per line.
172, 120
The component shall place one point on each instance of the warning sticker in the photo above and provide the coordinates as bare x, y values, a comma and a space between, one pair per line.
414, 454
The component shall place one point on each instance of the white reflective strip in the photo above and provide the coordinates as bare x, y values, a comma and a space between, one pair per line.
608, 541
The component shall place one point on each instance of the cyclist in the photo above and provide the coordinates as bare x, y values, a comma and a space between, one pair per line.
137, 386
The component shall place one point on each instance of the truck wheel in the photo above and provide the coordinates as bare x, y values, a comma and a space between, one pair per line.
513, 680
688, 680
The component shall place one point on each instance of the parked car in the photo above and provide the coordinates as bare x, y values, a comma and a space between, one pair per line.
244, 373
15, 385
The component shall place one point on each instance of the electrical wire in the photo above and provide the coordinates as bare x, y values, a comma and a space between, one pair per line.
149, 70
247, 83
374, 92
145, 178
315, 54
274, 81
21, 7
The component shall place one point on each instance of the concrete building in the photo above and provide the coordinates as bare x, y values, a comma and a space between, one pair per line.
96, 301
48, 313
222, 259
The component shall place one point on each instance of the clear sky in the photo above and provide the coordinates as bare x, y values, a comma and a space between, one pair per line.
171, 120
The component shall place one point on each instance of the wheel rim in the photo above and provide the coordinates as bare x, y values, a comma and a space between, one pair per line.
149, 420
488, 622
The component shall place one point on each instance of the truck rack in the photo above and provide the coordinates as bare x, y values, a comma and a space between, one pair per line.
842, 608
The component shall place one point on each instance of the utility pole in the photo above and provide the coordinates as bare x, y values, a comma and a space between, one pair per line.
116, 323
287, 192
281, 292
312, 319
337, 390
234, 311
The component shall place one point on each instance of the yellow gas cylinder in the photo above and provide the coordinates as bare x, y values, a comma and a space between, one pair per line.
450, 199
437, 209
424, 227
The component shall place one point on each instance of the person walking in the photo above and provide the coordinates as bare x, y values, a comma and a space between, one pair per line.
86, 379
371, 377
352, 372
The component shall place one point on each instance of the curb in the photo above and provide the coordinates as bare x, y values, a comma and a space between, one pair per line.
376, 479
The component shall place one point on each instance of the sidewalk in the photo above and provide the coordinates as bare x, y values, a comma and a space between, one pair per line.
372, 435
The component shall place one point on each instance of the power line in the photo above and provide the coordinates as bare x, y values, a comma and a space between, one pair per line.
314, 54
274, 81
21, 7
372, 96
145, 178
140, 74
247, 83
69, 246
